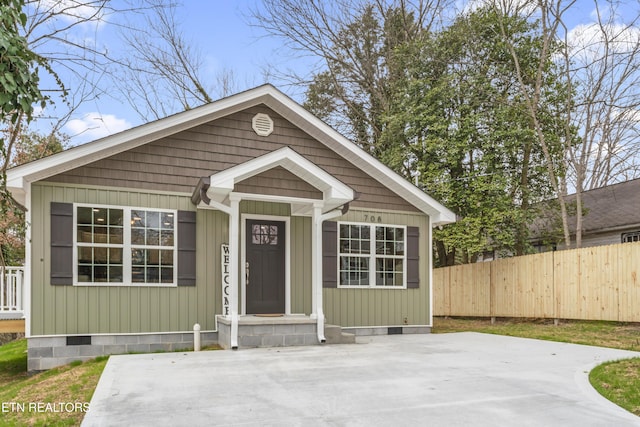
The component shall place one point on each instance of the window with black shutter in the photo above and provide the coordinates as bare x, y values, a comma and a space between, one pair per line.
121, 245
370, 255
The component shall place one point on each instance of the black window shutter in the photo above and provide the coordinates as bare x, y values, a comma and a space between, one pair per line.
413, 257
61, 243
186, 248
330, 254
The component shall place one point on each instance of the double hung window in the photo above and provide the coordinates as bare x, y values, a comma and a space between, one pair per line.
125, 245
372, 255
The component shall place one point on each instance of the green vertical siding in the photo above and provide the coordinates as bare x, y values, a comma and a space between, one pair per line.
139, 309
301, 265
264, 208
122, 309
383, 307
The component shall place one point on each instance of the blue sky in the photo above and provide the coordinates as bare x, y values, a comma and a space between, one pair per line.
221, 32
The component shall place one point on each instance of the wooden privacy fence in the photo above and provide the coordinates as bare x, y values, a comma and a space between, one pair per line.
596, 283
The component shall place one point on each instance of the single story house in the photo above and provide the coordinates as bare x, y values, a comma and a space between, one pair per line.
611, 215
248, 216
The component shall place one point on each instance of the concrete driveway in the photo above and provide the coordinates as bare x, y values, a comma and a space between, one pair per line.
456, 379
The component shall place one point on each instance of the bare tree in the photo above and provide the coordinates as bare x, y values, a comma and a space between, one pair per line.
160, 61
352, 43
159, 72
603, 61
163, 72
64, 33
601, 67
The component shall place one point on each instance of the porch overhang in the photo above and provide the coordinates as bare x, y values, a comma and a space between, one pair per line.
216, 189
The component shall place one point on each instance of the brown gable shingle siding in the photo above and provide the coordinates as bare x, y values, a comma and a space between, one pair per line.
177, 162
278, 181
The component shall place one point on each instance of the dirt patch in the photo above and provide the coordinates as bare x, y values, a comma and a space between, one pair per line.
10, 336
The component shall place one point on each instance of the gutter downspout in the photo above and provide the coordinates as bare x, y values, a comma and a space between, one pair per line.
316, 263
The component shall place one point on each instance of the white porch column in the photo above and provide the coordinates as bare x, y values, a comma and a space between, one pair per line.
234, 259
316, 270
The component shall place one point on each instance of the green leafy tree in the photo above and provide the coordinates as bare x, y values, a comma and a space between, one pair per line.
18, 72
460, 122
19, 91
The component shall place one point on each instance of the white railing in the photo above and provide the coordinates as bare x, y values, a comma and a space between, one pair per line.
11, 289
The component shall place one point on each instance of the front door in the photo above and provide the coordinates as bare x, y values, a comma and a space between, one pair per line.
265, 266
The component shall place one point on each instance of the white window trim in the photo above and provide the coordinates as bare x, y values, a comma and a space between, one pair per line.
372, 256
126, 247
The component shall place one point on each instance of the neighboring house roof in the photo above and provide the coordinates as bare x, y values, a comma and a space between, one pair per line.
610, 208
20, 177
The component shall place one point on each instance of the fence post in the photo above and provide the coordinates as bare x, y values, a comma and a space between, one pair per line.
554, 287
492, 294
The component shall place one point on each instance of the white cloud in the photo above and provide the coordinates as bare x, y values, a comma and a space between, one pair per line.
73, 10
95, 125
523, 7
589, 41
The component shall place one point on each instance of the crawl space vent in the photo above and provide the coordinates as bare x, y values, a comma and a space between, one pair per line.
262, 124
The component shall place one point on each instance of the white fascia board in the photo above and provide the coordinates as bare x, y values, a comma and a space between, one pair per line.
372, 166
219, 194
266, 94
338, 194
222, 183
96, 150
18, 190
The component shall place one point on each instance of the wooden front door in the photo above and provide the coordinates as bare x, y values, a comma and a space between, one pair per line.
265, 266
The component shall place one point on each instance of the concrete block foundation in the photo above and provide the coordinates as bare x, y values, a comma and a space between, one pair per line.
253, 331
49, 352
388, 330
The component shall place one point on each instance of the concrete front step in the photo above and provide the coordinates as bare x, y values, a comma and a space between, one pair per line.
333, 335
257, 331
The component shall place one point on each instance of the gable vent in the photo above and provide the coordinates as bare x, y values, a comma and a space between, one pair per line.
262, 124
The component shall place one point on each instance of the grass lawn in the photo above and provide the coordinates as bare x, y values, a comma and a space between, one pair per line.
617, 381
75, 383
72, 385
625, 336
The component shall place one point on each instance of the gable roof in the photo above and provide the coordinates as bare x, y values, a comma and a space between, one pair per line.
18, 178
612, 207
335, 193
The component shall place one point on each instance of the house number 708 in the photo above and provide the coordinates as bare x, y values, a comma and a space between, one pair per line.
372, 218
